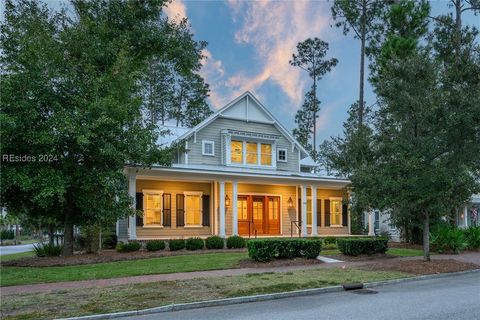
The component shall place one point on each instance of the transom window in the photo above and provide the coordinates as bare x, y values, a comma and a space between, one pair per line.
336, 212
208, 148
251, 153
152, 207
193, 208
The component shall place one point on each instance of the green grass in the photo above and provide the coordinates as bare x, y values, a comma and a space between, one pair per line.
403, 252
14, 256
329, 252
29, 275
78, 302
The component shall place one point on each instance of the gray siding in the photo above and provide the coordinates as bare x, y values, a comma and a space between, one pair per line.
122, 230
213, 133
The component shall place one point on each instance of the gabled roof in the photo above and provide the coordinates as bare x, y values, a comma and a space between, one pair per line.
234, 110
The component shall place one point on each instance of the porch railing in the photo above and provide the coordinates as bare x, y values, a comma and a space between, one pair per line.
295, 223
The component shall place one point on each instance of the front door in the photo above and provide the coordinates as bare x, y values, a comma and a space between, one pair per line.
258, 215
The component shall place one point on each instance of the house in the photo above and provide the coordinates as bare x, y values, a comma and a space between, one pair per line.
238, 172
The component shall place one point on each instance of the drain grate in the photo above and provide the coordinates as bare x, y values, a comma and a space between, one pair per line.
364, 291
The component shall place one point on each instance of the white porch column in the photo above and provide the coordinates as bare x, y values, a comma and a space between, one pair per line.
132, 220
222, 209
234, 208
465, 217
314, 211
304, 210
371, 224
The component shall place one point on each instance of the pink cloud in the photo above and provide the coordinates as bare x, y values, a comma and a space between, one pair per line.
176, 10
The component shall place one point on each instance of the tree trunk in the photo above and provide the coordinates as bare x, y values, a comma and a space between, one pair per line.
458, 29
362, 66
99, 238
426, 239
314, 117
51, 231
68, 232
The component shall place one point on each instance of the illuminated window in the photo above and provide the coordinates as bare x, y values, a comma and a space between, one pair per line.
273, 208
266, 154
152, 207
193, 209
258, 210
252, 153
336, 212
237, 151
309, 210
242, 208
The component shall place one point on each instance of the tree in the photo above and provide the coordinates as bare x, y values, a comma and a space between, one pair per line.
71, 105
305, 119
364, 18
310, 58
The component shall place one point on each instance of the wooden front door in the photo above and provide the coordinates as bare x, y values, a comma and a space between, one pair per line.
258, 215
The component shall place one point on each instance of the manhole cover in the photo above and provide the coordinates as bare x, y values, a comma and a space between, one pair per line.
364, 291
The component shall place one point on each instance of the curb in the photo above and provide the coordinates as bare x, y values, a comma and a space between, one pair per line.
261, 297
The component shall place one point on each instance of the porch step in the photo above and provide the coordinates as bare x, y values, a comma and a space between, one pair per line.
328, 260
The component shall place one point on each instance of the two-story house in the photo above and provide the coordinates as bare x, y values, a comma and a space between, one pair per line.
239, 172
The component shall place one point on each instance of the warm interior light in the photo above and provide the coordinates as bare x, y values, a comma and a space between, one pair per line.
290, 203
227, 201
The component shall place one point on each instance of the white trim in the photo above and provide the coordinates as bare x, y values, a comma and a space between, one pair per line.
192, 193
186, 152
278, 154
222, 209
152, 192
204, 142
244, 163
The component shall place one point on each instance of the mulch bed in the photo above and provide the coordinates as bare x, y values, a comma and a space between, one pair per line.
104, 256
405, 245
419, 267
249, 263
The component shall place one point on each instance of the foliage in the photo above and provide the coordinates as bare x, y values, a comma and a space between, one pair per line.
194, 244
330, 240
472, 237
214, 242
357, 246
130, 246
110, 241
448, 238
47, 250
269, 249
176, 244
236, 242
155, 245
7, 234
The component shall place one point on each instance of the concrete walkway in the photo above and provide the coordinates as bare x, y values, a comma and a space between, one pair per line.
471, 257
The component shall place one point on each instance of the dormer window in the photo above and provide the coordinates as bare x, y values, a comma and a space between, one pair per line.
251, 153
208, 148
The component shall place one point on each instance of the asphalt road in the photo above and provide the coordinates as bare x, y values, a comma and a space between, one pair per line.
456, 297
15, 249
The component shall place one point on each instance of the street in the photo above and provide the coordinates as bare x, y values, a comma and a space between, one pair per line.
15, 249
455, 297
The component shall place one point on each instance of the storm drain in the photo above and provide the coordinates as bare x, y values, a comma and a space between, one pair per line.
364, 291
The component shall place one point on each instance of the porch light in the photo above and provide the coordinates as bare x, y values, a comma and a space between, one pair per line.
290, 203
227, 201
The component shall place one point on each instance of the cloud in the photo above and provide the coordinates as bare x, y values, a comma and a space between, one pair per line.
274, 28
213, 72
176, 10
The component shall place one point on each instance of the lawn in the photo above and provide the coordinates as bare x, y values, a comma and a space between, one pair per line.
186, 263
14, 256
147, 295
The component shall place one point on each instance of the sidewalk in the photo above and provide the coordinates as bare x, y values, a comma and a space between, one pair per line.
471, 257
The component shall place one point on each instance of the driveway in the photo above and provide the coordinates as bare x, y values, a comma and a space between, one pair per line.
15, 249
454, 297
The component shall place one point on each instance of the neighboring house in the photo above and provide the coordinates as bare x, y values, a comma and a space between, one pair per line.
239, 172
468, 216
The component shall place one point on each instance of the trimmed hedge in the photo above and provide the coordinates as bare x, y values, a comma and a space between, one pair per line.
236, 242
330, 240
128, 247
155, 245
176, 244
194, 244
214, 242
265, 250
357, 246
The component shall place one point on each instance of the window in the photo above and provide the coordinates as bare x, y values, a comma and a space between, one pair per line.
242, 208
336, 212
237, 151
208, 148
282, 155
152, 207
266, 154
193, 208
273, 208
309, 211
252, 153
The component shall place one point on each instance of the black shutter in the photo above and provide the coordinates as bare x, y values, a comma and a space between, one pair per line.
167, 210
139, 206
319, 212
344, 215
299, 212
327, 213
180, 210
206, 210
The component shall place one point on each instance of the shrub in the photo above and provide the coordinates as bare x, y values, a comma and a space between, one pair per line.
357, 246
472, 237
194, 244
214, 242
47, 250
110, 241
7, 234
128, 247
176, 244
330, 240
235, 242
268, 249
448, 238
155, 245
